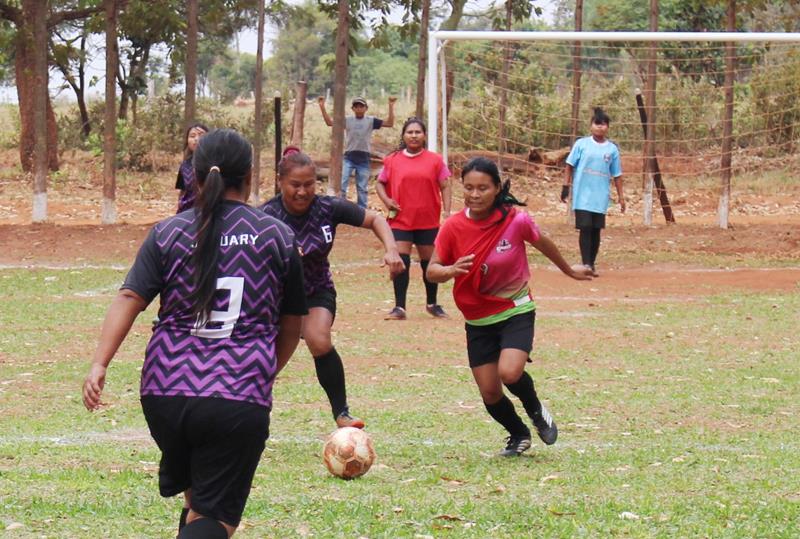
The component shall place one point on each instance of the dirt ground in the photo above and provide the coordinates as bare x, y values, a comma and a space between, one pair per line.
640, 261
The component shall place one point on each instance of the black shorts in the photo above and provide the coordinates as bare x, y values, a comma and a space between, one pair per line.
210, 445
484, 343
424, 236
589, 219
323, 298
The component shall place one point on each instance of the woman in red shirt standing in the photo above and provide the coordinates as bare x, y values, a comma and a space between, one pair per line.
414, 185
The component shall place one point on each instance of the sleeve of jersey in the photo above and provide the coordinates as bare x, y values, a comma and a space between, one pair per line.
616, 167
377, 123
347, 212
574, 154
146, 275
294, 296
530, 230
444, 173
383, 176
444, 243
179, 181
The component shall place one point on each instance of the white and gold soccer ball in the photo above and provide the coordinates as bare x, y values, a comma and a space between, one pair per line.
348, 453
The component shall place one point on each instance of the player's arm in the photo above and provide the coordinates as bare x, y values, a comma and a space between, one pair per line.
546, 246
439, 273
323, 110
618, 185
567, 182
380, 228
119, 319
389, 121
388, 201
288, 336
447, 201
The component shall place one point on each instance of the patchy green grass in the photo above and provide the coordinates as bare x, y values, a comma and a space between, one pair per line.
677, 419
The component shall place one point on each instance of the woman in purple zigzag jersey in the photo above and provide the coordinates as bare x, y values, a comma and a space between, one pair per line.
314, 220
186, 182
230, 282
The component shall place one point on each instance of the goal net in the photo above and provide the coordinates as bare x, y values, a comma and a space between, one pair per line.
523, 98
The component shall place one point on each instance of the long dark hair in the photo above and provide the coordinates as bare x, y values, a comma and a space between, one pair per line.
504, 198
222, 160
186, 153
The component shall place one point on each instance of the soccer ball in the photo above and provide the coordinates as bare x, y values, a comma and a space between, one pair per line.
348, 453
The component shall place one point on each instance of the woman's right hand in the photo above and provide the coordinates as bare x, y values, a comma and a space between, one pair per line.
93, 386
462, 265
391, 204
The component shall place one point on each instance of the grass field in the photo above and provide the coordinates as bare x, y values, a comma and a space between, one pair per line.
678, 416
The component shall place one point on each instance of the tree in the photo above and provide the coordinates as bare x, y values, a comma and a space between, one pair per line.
108, 214
191, 63
26, 17
71, 61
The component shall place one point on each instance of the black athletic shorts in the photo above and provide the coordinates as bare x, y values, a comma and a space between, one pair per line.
484, 343
210, 445
323, 298
589, 219
423, 236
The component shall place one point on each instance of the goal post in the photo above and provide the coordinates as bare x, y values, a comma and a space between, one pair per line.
688, 117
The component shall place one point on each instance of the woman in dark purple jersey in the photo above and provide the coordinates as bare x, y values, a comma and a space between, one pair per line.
185, 181
232, 299
314, 219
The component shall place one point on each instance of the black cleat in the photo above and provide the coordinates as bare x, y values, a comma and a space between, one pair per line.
545, 426
516, 445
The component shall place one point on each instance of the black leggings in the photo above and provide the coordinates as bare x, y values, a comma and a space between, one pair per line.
589, 241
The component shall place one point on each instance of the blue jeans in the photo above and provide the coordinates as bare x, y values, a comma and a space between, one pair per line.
362, 180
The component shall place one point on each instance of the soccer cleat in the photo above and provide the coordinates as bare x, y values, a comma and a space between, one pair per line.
346, 420
398, 313
436, 311
516, 445
545, 426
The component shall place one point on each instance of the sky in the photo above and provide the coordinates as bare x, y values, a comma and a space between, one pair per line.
247, 42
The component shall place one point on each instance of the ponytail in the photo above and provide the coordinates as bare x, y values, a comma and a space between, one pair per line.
222, 161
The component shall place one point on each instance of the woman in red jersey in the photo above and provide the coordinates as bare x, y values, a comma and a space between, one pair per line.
415, 186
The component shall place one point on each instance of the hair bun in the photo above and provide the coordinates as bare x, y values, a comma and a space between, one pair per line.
290, 150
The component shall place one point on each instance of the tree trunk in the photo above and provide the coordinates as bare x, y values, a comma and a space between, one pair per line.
258, 121
423, 57
191, 63
108, 213
299, 114
339, 89
26, 89
37, 39
727, 121
650, 108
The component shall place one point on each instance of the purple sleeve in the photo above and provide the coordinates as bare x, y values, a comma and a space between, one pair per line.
294, 295
348, 213
146, 275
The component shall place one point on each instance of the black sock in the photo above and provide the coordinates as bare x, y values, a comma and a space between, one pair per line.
585, 243
203, 528
330, 373
430, 288
523, 389
595, 245
182, 520
400, 283
503, 412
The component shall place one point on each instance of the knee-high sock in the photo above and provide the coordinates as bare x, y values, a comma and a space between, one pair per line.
430, 288
503, 412
330, 373
595, 244
203, 528
523, 389
401, 283
585, 243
